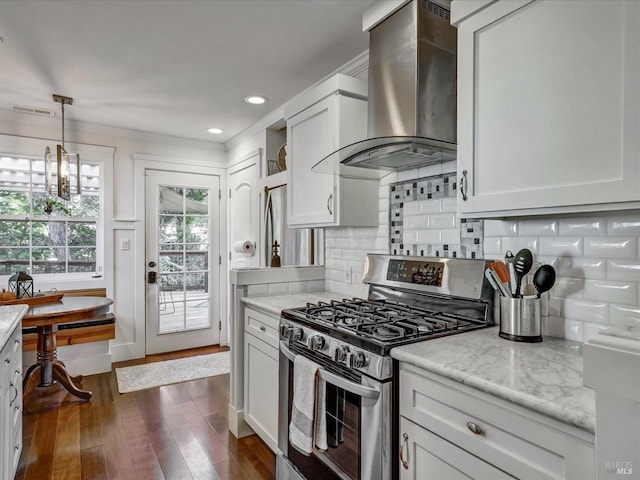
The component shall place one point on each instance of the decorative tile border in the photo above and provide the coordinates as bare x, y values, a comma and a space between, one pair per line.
422, 220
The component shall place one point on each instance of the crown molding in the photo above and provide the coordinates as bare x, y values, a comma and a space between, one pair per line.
352, 68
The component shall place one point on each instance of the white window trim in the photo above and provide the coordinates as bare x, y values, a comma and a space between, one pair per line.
17, 146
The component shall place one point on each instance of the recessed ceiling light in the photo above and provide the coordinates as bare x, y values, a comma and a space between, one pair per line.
256, 99
215, 130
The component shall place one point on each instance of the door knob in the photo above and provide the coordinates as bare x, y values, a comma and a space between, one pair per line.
151, 277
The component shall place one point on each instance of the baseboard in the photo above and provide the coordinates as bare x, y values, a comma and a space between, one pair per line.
126, 351
237, 426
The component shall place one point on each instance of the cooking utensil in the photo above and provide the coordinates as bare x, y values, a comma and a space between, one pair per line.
494, 281
522, 264
508, 260
544, 279
502, 271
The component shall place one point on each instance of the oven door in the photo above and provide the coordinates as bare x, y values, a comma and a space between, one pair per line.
358, 424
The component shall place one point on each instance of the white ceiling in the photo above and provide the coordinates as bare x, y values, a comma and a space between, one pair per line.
171, 67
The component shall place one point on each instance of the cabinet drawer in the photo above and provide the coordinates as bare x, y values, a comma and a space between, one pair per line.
512, 442
429, 456
11, 355
262, 326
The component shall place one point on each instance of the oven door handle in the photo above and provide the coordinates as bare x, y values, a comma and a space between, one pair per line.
336, 380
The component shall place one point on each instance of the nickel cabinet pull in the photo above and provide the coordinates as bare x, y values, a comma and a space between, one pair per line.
474, 428
329, 203
262, 328
405, 441
15, 396
464, 186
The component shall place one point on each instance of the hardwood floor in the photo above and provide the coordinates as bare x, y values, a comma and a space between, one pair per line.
173, 432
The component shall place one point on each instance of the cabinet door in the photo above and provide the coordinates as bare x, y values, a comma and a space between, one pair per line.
427, 455
549, 106
261, 389
311, 136
244, 209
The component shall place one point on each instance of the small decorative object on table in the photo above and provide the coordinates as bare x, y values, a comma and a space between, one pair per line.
275, 259
21, 284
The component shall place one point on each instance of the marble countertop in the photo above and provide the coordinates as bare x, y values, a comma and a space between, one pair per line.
545, 377
274, 304
10, 316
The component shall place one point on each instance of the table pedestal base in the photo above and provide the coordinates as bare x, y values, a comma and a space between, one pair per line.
49, 368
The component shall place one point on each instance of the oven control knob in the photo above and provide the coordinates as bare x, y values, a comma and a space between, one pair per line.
340, 353
295, 333
316, 342
357, 360
284, 329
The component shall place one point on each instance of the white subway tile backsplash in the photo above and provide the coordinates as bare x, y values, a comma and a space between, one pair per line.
580, 267
623, 270
257, 290
430, 236
412, 208
564, 328
500, 228
624, 225
493, 246
516, 243
624, 315
418, 222
278, 288
451, 236
612, 292
407, 175
583, 226
387, 180
611, 247
568, 287
444, 220
597, 258
554, 306
410, 236
585, 310
591, 329
562, 246
429, 206
449, 205
315, 285
538, 228
429, 170
450, 167
297, 287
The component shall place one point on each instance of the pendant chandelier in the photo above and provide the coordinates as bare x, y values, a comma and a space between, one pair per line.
63, 161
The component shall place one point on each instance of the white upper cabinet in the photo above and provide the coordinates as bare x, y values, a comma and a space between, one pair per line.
331, 116
548, 106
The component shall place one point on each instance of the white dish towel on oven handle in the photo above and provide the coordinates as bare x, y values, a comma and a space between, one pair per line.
308, 405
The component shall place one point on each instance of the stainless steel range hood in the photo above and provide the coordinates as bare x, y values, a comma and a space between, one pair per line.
412, 95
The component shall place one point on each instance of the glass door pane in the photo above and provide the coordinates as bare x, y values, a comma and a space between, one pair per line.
184, 244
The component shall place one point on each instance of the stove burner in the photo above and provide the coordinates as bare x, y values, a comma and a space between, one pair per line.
382, 323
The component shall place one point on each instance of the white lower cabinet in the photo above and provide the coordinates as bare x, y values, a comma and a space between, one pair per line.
452, 431
261, 355
426, 455
11, 405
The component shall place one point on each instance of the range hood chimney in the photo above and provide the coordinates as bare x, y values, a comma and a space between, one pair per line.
412, 95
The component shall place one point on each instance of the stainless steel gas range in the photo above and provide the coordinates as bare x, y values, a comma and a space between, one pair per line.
410, 299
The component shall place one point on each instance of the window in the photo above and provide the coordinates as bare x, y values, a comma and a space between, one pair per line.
64, 241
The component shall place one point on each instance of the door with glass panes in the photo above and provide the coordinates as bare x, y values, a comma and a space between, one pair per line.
182, 261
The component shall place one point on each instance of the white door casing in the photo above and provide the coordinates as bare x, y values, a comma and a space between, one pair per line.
183, 253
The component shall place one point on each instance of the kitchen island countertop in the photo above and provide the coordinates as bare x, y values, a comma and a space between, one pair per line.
545, 377
274, 304
10, 316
